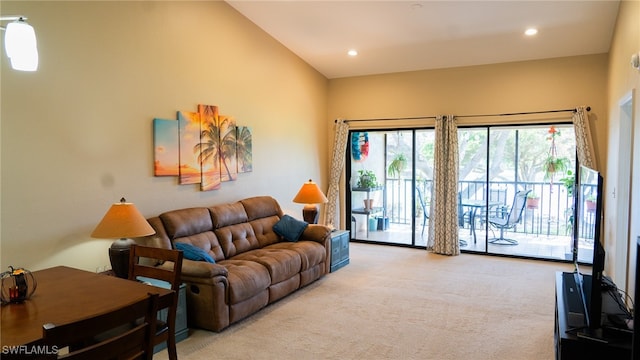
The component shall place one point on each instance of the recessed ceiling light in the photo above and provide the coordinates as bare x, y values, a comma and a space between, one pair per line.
531, 31
352, 52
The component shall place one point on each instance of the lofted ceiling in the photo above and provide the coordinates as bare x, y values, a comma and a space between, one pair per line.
396, 36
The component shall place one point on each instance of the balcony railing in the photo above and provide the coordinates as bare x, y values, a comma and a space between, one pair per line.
552, 217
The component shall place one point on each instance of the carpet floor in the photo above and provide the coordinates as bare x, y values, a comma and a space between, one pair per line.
400, 303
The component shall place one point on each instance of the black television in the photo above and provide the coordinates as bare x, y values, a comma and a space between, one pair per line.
587, 230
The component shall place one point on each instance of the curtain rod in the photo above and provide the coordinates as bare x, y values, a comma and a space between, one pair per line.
588, 108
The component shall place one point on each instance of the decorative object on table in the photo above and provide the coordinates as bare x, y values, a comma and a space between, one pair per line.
359, 146
18, 284
310, 195
554, 164
123, 221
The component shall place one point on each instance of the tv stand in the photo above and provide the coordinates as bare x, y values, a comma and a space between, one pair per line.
607, 342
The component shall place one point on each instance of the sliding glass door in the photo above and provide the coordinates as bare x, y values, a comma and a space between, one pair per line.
519, 205
515, 188
390, 184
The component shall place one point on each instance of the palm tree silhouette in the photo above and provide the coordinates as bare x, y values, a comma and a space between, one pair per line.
227, 148
244, 146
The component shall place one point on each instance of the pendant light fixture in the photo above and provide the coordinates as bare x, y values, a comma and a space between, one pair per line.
20, 43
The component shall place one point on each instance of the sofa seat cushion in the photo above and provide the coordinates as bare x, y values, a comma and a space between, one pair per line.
311, 253
246, 279
281, 263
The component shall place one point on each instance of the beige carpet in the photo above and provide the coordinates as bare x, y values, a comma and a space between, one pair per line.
400, 303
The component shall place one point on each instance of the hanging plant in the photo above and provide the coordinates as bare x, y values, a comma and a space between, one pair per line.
397, 165
553, 164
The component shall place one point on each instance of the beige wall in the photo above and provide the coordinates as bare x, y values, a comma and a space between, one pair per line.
561, 83
499, 88
623, 82
77, 134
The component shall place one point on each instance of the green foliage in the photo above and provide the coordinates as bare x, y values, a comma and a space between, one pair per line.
569, 181
554, 165
397, 165
367, 179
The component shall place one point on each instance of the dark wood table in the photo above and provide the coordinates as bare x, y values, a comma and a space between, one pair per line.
64, 295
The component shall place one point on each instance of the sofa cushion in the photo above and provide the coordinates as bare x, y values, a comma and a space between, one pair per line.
236, 239
186, 222
260, 207
228, 214
192, 252
246, 279
282, 264
290, 228
263, 228
311, 253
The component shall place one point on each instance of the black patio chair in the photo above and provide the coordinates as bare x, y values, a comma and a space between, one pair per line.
509, 222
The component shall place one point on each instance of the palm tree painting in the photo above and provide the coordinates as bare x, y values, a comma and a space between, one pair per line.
165, 147
244, 149
207, 150
189, 136
228, 160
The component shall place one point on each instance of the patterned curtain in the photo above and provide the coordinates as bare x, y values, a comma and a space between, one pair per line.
584, 141
443, 224
337, 166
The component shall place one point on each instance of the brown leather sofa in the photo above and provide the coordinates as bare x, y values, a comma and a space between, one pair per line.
253, 265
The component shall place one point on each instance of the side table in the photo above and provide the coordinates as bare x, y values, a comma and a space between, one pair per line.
339, 249
182, 331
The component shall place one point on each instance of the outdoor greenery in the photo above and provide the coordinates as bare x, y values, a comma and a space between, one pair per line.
397, 165
367, 179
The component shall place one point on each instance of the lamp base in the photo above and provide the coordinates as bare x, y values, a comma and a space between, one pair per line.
310, 213
119, 256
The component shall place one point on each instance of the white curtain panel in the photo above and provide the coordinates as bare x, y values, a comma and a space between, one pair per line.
443, 224
584, 141
337, 167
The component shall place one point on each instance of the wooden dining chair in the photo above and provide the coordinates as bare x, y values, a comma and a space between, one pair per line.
168, 270
79, 336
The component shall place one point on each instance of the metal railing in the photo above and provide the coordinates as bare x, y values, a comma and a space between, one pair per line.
552, 216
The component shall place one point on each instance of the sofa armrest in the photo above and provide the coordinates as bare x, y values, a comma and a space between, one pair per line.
201, 270
317, 233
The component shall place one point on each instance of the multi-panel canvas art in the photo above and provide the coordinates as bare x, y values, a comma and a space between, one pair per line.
165, 144
244, 149
202, 147
189, 138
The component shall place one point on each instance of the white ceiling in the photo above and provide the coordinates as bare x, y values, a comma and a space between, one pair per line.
395, 36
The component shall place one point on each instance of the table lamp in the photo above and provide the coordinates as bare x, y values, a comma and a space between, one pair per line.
310, 195
122, 222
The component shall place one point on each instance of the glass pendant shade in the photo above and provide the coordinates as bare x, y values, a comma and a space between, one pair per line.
21, 46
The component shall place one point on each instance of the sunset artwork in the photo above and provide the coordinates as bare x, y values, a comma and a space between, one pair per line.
207, 151
202, 147
228, 158
189, 138
165, 143
244, 149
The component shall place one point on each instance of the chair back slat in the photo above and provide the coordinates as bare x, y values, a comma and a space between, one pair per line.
519, 201
170, 271
80, 336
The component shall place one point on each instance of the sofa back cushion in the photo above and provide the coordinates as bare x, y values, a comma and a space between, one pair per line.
232, 229
261, 207
263, 212
193, 226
